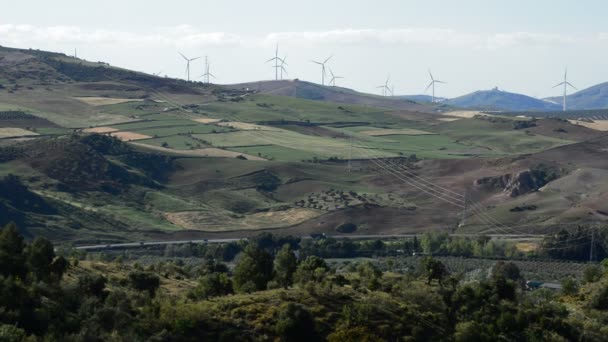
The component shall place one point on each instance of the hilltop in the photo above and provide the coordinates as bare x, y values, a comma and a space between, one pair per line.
312, 91
499, 100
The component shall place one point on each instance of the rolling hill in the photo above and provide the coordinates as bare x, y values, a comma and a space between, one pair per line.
312, 91
595, 97
105, 154
501, 101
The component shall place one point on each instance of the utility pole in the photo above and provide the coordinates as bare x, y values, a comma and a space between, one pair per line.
591, 247
350, 155
464, 208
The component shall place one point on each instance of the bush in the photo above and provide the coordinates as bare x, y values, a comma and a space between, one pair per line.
599, 299
346, 228
144, 281
295, 323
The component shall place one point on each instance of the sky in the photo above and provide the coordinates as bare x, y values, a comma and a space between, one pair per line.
519, 46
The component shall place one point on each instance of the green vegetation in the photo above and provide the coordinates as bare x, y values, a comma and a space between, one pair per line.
52, 297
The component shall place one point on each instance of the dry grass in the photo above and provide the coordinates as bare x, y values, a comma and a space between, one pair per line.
208, 221
102, 129
598, 125
103, 101
526, 246
201, 152
129, 136
404, 131
467, 114
9, 132
206, 120
244, 126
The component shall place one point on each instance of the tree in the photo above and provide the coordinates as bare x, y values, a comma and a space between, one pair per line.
592, 273
92, 285
12, 260
40, 255
213, 285
369, 275
569, 286
254, 267
508, 270
285, 265
144, 281
295, 323
312, 268
434, 269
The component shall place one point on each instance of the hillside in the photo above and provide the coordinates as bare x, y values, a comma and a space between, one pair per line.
421, 98
114, 155
312, 91
501, 100
595, 97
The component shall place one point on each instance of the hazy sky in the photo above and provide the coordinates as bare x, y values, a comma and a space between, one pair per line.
517, 45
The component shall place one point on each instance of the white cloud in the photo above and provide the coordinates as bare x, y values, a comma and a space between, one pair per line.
187, 36
505, 40
179, 36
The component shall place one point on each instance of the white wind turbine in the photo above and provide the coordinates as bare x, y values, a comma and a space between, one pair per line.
282, 66
385, 88
188, 60
323, 72
565, 83
333, 79
276, 60
206, 76
432, 84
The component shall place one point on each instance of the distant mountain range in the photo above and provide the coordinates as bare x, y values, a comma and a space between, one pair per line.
595, 97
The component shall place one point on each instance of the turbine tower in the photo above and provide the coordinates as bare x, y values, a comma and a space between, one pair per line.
565, 83
332, 82
432, 84
188, 60
276, 60
323, 72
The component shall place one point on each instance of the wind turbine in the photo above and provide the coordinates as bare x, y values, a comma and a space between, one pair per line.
157, 73
432, 84
333, 78
385, 88
207, 73
276, 60
322, 64
565, 84
188, 60
282, 66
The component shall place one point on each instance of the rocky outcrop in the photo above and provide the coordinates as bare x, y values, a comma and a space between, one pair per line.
515, 185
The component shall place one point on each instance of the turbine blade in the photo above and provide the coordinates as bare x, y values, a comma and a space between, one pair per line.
430, 74
557, 85
317, 62
328, 58
270, 60
193, 59
181, 54
430, 84
440, 81
568, 83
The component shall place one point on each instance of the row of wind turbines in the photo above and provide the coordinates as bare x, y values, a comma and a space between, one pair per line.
280, 64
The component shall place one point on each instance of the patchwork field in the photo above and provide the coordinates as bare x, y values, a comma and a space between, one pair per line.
10, 132
103, 101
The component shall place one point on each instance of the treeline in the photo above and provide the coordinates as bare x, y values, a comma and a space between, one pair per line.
329, 247
274, 294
